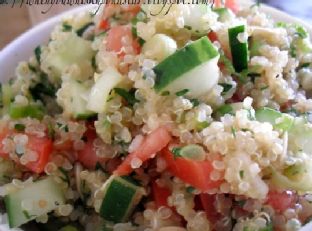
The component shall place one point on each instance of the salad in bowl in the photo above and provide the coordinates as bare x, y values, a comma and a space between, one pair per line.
161, 117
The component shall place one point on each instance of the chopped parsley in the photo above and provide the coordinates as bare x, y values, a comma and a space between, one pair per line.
127, 95
195, 102
176, 152
226, 87
81, 30
182, 92
165, 93
241, 174
37, 52
19, 127
190, 189
66, 27
233, 130
32, 68
65, 174
224, 109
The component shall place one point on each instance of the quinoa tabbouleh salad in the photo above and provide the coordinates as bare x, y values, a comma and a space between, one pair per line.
140, 119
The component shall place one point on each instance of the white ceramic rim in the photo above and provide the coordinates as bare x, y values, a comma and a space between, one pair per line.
10, 57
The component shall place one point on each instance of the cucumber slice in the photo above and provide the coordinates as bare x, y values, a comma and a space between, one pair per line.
188, 68
159, 47
33, 111
239, 49
42, 196
300, 136
224, 14
297, 177
192, 152
280, 121
72, 97
102, 88
120, 198
67, 50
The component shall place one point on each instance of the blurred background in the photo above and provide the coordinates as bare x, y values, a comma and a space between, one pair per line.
16, 20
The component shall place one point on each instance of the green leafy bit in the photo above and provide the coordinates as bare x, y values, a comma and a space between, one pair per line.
81, 30
176, 152
233, 130
201, 125
37, 52
42, 88
32, 68
19, 127
224, 109
241, 174
27, 215
66, 27
65, 174
165, 93
226, 87
127, 95
195, 102
93, 62
182, 92
304, 65
190, 189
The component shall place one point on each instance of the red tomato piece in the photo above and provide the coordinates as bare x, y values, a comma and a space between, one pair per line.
152, 144
41, 145
87, 156
280, 201
160, 194
114, 39
231, 4
207, 201
195, 173
212, 36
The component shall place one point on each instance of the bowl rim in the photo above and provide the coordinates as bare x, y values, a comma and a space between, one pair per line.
10, 57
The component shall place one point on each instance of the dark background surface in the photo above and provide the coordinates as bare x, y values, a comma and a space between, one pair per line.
298, 8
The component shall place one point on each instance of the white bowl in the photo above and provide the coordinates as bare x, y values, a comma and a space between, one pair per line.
22, 47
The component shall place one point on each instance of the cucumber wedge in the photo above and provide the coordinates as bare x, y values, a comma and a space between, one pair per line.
193, 67
239, 49
300, 136
100, 91
120, 198
72, 96
280, 121
43, 196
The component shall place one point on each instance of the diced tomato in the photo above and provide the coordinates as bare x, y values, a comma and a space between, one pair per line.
114, 39
104, 24
280, 201
41, 145
212, 36
195, 173
231, 4
87, 156
111, 9
160, 194
207, 201
152, 144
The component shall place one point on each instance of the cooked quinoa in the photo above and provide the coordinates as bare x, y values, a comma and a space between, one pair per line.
193, 119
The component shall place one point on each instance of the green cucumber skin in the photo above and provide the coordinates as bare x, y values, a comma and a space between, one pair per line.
239, 50
33, 111
117, 201
45, 189
182, 61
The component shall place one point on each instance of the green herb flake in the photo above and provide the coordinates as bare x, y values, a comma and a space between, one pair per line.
19, 127
93, 62
225, 109
165, 93
202, 125
37, 52
226, 87
182, 92
304, 65
51, 131
233, 130
241, 174
301, 31
26, 214
190, 189
127, 95
188, 27
65, 174
176, 152
264, 87
293, 50
32, 68
81, 30
195, 102
241, 203
66, 27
